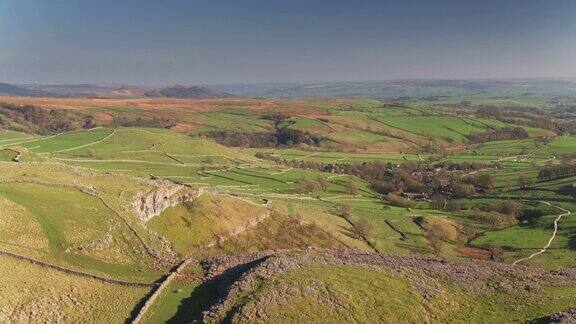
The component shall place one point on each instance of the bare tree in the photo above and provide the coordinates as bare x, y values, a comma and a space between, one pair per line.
523, 181
343, 210
306, 186
435, 236
322, 182
363, 227
453, 206
351, 188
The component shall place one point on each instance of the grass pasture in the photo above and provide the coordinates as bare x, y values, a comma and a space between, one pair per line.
341, 157
204, 221
36, 294
529, 236
96, 233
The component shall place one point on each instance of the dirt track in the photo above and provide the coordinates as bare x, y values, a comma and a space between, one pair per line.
567, 212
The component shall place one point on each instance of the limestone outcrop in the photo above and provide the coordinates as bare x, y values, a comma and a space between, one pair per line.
152, 203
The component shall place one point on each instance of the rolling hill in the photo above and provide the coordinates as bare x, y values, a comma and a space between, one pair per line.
183, 92
248, 210
13, 90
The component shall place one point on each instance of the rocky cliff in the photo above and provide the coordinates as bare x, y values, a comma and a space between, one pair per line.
152, 203
565, 317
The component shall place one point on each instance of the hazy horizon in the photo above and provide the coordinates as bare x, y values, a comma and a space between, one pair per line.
111, 84
229, 42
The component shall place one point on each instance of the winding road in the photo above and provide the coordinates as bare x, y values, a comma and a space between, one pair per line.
566, 213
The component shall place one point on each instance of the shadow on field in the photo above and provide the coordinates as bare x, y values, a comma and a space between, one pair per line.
567, 190
413, 248
572, 242
191, 308
209, 292
540, 320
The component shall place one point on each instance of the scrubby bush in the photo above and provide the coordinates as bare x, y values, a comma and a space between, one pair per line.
506, 133
463, 190
363, 227
398, 201
434, 235
343, 210
306, 186
438, 202
351, 188
453, 206
142, 122
33, 119
494, 219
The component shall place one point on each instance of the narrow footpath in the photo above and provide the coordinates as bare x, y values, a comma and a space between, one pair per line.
545, 248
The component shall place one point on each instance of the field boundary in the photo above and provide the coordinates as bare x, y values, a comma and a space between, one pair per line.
159, 289
77, 272
86, 145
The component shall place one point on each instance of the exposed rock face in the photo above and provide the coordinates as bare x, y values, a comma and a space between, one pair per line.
564, 317
150, 204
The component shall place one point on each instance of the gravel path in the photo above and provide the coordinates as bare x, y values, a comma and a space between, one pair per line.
566, 213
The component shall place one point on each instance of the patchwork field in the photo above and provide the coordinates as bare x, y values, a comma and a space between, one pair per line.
143, 201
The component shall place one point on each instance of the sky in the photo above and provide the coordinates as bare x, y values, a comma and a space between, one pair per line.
157, 42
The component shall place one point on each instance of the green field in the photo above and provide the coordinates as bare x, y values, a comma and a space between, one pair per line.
75, 200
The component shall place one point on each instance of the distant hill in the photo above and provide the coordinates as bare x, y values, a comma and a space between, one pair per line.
90, 90
110, 91
13, 90
192, 92
409, 90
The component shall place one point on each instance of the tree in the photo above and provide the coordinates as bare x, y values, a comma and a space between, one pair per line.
434, 235
322, 182
305, 186
398, 201
343, 210
383, 187
463, 190
89, 122
496, 253
453, 206
485, 181
438, 202
523, 181
510, 208
351, 187
363, 227
567, 158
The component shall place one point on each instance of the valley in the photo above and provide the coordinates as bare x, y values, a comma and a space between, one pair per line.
227, 209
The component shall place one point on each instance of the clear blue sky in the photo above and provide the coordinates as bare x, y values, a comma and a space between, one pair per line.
217, 41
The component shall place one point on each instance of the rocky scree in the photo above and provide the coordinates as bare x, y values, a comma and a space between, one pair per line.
236, 275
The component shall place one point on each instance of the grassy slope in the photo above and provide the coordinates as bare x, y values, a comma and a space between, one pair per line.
197, 224
36, 225
34, 294
341, 294
351, 293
